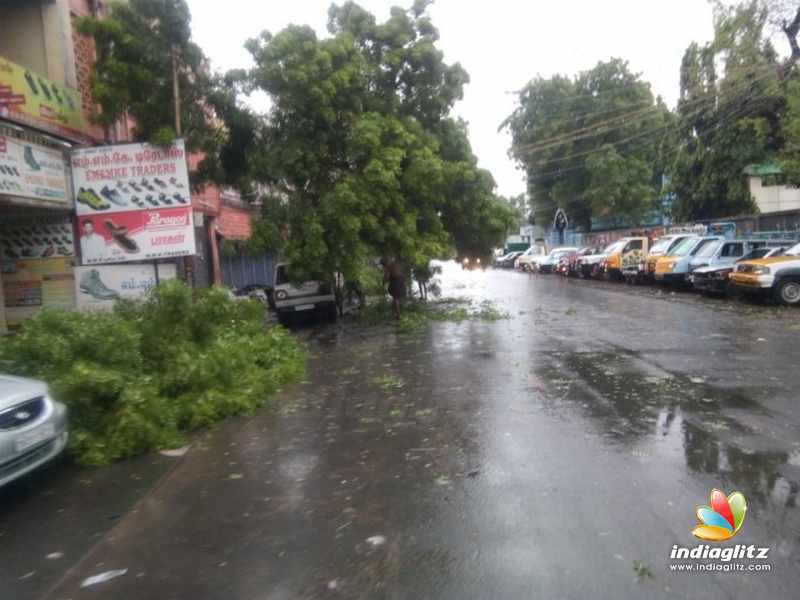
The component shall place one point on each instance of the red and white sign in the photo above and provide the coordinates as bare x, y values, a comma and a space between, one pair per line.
133, 203
140, 235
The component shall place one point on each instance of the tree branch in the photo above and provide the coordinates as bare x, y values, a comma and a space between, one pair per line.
791, 30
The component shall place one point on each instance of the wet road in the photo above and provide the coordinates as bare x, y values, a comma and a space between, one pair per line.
557, 454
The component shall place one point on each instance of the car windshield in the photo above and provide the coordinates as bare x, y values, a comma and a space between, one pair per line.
615, 247
708, 250
684, 247
282, 275
661, 245
701, 245
757, 253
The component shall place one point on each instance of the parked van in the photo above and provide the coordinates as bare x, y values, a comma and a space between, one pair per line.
662, 246
721, 254
674, 267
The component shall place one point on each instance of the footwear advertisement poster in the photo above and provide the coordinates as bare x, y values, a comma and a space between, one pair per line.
32, 171
96, 288
34, 284
36, 237
133, 203
32, 99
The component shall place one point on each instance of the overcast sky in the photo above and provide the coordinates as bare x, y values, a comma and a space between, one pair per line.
501, 43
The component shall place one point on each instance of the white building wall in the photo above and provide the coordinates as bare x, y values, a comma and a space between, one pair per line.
774, 198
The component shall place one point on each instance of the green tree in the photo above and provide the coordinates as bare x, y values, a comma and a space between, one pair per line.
359, 149
590, 144
734, 109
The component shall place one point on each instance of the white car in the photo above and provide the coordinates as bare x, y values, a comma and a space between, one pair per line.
529, 259
550, 262
310, 296
33, 427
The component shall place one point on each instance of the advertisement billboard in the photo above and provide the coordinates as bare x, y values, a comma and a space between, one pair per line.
96, 288
133, 203
31, 99
32, 171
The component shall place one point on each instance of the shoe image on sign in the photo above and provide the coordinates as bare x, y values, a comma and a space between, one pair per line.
112, 196
120, 236
92, 284
30, 159
31, 83
92, 200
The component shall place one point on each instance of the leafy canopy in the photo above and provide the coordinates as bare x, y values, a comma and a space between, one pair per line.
360, 150
589, 144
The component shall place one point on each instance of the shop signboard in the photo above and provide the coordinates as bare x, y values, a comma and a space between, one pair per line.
96, 288
31, 99
133, 203
35, 172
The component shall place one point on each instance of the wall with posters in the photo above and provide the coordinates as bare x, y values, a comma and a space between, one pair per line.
96, 288
36, 260
33, 284
133, 203
28, 170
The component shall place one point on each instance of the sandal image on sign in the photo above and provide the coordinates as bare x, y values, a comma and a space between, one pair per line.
120, 236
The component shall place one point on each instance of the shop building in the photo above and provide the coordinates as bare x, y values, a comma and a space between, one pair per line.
44, 87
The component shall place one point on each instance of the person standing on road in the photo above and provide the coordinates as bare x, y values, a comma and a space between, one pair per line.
393, 275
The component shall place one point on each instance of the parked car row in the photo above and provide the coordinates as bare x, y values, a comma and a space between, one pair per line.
711, 264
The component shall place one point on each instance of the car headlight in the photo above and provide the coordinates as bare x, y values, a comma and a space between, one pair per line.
761, 270
478, 260
281, 295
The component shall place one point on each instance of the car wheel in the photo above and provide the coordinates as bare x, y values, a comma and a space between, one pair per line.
789, 292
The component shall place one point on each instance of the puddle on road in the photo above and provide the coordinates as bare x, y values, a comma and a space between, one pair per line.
635, 410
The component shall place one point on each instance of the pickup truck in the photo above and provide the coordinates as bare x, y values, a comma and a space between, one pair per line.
628, 251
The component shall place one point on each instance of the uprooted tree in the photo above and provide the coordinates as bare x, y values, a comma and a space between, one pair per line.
360, 151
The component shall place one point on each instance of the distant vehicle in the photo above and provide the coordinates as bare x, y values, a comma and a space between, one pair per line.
472, 263
507, 261
310, 296
714, 279
662, 246
568, 264
550, 262
723, 253
629, 254
33, 427
776, 276
591, 265
528, 260
675, 266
